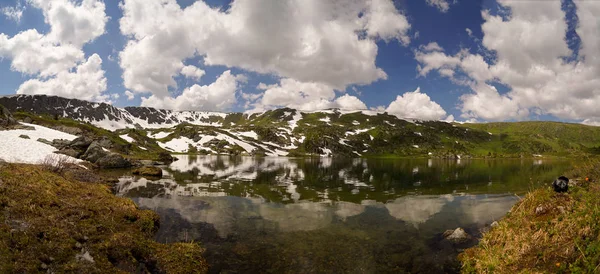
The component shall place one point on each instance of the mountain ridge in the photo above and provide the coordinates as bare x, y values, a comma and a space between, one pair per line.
333, 132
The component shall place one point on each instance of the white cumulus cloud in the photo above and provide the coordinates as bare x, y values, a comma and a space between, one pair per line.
321, 43
192, 72
441, 5
530, 61
218, 96
416, 105
13, 13
57, 57
86, 82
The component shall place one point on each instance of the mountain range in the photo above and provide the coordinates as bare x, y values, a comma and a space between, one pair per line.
289, 132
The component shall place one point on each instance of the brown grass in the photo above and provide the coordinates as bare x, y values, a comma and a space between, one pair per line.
47, 220
56, 162
546, 240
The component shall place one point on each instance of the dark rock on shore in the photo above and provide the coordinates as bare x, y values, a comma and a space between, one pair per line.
6, 118
113, 160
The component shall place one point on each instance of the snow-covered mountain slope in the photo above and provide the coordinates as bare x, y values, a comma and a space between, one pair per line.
107, 116
291, 132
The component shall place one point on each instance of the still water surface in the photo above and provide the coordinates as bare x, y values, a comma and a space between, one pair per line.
286, 215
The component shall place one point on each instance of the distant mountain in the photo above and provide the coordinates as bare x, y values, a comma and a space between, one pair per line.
289, 132
104, 115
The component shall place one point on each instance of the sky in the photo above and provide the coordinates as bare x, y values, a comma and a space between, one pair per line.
463, 60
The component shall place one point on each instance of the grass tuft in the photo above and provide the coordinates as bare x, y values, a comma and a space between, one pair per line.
48, 223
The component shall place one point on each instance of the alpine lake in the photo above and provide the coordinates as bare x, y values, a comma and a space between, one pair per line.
324, 215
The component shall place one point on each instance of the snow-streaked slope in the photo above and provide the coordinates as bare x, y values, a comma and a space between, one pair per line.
15, 149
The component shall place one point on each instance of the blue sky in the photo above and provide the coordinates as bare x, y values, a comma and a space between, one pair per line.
465, 94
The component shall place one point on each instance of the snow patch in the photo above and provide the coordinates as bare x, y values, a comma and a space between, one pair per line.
127, 138
15, 149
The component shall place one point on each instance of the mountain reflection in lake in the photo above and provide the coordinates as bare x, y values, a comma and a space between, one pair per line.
329, 215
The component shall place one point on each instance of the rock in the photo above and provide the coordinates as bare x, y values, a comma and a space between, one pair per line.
113, 160
61, 143
561, 209
85, 256
457, 236
27, 120
24, 136
94, 152
44, 141
540, 210
70, 152
494, 224
6, 118
69, 130
165, 158
561, 184
100, 156
148, 163
44, 266
105, 142
82, 142
148, 171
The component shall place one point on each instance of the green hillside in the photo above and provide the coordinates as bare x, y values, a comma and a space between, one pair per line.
288, 132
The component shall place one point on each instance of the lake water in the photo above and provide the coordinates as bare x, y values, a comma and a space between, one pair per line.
286, 215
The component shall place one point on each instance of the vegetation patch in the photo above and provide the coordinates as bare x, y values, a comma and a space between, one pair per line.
546, 232
52, 223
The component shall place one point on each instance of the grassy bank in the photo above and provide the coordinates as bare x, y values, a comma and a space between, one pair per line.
55, 223
546, 232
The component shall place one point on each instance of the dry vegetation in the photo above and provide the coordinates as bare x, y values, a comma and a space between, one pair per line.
57, 162
52, 223
546, 232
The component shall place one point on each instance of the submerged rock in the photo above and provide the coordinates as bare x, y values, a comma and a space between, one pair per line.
457, 236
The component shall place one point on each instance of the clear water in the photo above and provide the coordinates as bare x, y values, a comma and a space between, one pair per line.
285, 215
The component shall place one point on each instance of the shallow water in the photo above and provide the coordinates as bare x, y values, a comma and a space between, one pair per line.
285, 215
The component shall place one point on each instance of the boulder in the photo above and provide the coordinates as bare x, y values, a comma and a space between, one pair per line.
94, 152
113, 160
69, 130
27, 120
166, 158
6, 118
70, 152
61, 143
105, 142
148, 171
24, 136
457, 236
82, 142
44, 141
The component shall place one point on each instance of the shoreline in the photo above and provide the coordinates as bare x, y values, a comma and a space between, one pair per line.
545, 232
71, 221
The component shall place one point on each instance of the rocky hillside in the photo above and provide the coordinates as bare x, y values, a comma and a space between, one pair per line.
289, 132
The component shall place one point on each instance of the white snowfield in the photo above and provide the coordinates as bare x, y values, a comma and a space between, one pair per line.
15, 149
193, 117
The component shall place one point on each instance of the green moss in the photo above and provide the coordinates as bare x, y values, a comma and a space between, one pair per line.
48, 221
